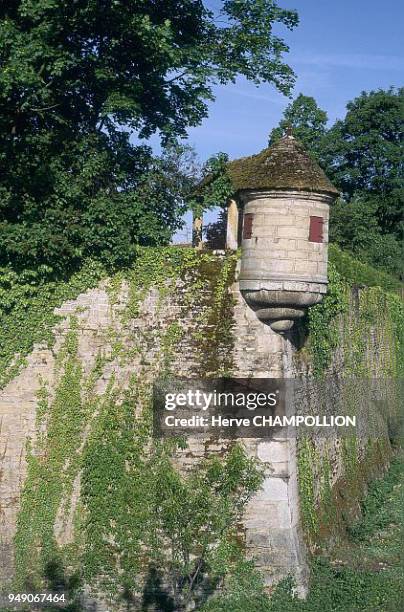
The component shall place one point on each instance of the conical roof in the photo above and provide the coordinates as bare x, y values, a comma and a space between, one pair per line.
284, 165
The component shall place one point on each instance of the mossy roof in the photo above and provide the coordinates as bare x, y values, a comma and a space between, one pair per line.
284, 165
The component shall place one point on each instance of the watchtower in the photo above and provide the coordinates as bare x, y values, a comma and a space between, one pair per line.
283, 196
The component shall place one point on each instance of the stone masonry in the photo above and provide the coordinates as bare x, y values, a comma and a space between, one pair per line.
271, 522
271, 525
279, 248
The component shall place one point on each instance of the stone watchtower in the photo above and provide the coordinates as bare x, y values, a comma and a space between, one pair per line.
284, 197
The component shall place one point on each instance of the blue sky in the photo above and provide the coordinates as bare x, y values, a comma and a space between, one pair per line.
340, 48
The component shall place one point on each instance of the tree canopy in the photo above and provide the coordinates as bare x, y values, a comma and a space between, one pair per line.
364, 154
77, 80
307, 120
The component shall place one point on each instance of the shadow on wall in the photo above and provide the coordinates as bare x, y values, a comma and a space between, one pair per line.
299, 333
58, 583
155, 597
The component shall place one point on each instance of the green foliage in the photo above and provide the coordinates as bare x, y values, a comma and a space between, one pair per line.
343, 589
197, 518
53, 463
323, 320
86, 199
343, 321
135, 512
363, 154
375, 515
354, 226
215, 188
368, 575
27, 302
155, 267
358, 273
28, 299
149, 66
77, 81
214, 336
350, 449
242, 591
317, 506
115, 491
307, 458
307, 120
334, 589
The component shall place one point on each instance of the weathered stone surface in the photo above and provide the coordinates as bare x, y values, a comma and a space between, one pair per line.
272, 522
279, 249
273, 452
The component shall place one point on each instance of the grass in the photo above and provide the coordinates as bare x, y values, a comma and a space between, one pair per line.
367, 572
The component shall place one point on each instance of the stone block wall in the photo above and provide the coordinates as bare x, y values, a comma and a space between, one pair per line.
132, 343
279, 247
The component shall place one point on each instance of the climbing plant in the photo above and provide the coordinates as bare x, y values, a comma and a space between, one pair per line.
27, 303
362, 306
133, 512
53, 463
379, 302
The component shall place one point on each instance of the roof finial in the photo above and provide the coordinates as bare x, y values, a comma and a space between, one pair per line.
289, 131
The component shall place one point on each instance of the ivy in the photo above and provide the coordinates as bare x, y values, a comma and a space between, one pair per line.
115, 493
350, 317
323, 323
53, 463
214, 335
307, 457
27, 302
365, 574
135, 511
356, 272
330, 323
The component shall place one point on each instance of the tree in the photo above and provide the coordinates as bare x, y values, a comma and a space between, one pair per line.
307, 120
363, 155
354, 226
61, 205
194, 521
78, 79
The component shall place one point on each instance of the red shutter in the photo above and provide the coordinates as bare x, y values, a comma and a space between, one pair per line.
316, 229
247, 225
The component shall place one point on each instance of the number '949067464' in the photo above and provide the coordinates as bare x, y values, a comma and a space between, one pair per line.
20, 600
